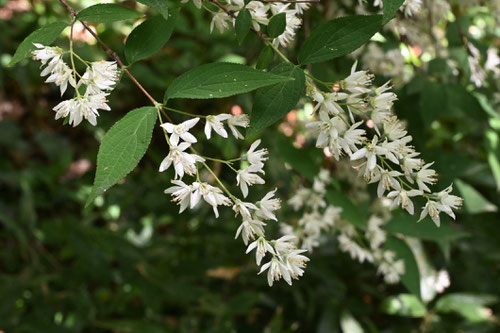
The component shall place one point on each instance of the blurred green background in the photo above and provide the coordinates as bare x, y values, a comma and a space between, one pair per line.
131, 263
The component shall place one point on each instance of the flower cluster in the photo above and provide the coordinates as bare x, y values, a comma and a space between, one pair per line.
286, 261
99, 78
387, 158
261, 12
319, 217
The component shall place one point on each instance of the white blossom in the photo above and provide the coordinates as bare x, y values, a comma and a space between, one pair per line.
268, 205
215, 123
181, 194
262, 246
277, 270
369, 152
183, 162
100, 76
248, 177
240, 120
212, 195
257, 157
250, 228
402, 197
244, 209
83, 107
426, 176
181, 131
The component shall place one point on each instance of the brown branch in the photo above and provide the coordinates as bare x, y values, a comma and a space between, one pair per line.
113, 55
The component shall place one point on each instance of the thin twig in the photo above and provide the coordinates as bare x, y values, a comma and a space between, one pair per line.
113, 55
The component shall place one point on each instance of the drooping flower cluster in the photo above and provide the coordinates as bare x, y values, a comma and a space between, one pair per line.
99, 78
321, 218
387, 158
286, 261
261, 12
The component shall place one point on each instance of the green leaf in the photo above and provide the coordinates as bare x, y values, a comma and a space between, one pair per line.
305, 161
403, 223
46, 35
411, 277
338, 37
242, 25
107, 12
220, 79
273, 103
265, 58
405, 305
350, 212
474, 201
493, 150
122, 148
470, 306
391, 7
146, 39
276, 25
159, 5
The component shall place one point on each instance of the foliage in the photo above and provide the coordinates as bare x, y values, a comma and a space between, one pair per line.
130, 263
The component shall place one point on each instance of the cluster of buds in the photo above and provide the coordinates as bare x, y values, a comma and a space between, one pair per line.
318, 218
286, 261
99, 79
261, 12
387, 158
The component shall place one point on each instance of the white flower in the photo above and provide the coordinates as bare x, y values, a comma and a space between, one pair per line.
357, 81
328, 130
352, 138
197, 3
213, 196
346, 244
220, 21
394, 129
412, 7
248, 177
181, 194
449, 202
432, 208
100, 76
262, 246
402, 197
370, 152
257, 157
386, 181
267, 206
181, 131
60, 75
285, 244
183, 162
277, 269
330, 216
426, 175
83, 107
215, 123
244, 208
410, 164
250, 228
383, 100
46, 53
240, 120
300, 198
295, 262
258, 10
